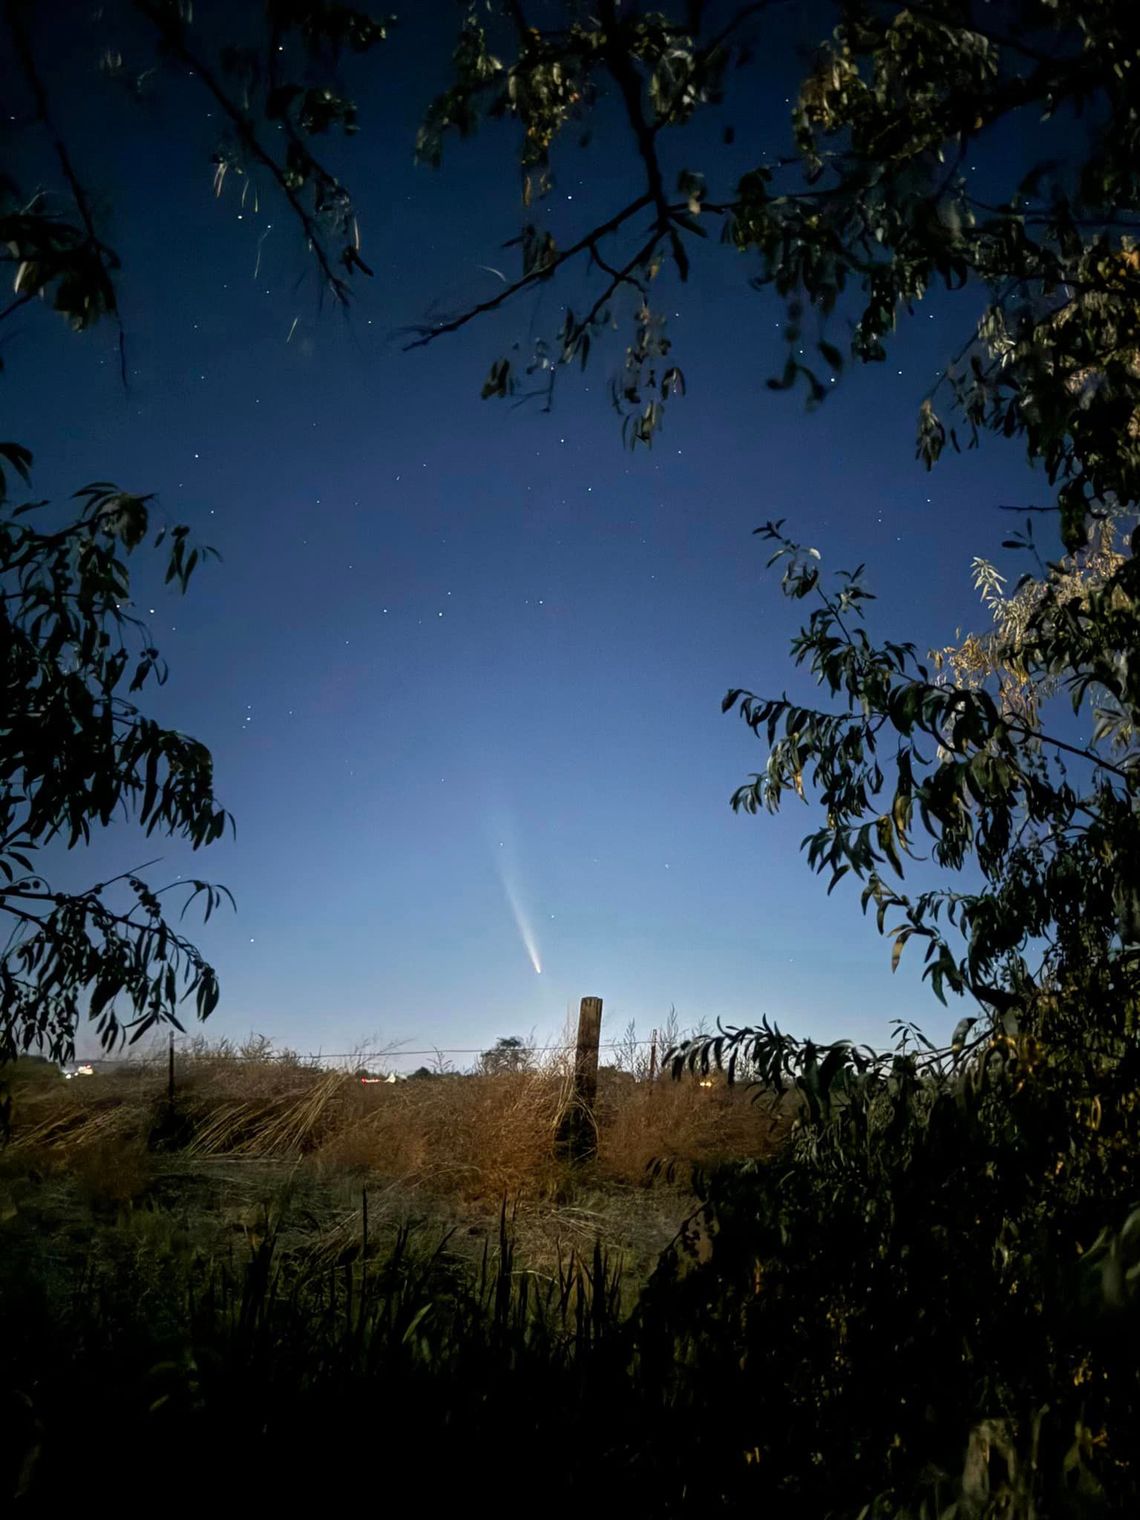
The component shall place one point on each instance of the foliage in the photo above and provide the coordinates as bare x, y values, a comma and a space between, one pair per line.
898, 179
710, 1395
1050, 820
229, 1371
997, 654
939, 1277
75, 751
944, 1264
275, 91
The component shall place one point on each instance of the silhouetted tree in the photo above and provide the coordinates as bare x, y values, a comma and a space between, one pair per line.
508, 1054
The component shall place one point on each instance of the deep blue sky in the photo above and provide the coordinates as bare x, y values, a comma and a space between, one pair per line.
452, 643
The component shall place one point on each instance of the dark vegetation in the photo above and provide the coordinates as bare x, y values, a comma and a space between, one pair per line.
924, 1303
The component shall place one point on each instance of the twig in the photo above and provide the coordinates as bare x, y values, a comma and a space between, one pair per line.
105, 256
620, 277
628, 83
172, 35
428, 335
21, 300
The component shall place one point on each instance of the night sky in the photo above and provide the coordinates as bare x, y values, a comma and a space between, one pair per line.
462, 664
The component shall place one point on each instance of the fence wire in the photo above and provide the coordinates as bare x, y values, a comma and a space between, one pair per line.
362, 1056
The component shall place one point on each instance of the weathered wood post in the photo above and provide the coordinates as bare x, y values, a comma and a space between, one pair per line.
653, 1057
170, 1072
578, 1130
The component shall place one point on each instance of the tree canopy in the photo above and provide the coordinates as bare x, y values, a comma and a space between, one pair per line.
899, 177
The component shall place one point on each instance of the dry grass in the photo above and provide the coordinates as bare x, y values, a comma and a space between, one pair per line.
472, 1137
680, 1124
446, 1149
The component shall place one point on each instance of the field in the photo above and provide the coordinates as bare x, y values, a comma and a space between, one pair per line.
244, 1133
289, 1232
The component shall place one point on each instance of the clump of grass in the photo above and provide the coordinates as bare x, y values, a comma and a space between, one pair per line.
475, 1137
291, 1121
645, 1126
63, 1122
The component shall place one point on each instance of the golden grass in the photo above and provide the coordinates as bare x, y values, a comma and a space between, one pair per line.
469, 1138
681, 1124
251, 1139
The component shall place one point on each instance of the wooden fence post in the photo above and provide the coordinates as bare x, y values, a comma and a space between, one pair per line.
653, 1057
578, 1130
170, 1072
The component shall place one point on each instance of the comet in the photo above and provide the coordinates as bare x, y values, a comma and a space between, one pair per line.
526, 933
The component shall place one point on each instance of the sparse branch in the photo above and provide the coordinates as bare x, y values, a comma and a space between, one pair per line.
618, 277
427, 335
104, 257
625, 76
174, 38
1026, 732
13, 306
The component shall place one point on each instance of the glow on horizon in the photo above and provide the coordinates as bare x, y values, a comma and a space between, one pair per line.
526, 933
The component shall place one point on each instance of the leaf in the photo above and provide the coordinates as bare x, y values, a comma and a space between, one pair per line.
834, 1062
831, 354
886, 838
105, 989
898, 947
786, 380
498, 381
20, 460
961, 1030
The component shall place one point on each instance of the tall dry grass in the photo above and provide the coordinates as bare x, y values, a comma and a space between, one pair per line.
476, 1137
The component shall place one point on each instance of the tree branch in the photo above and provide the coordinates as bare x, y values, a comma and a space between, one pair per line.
21, 300
625, 76
623, 276
105, 256
1090, 755
174, 39
428, 335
